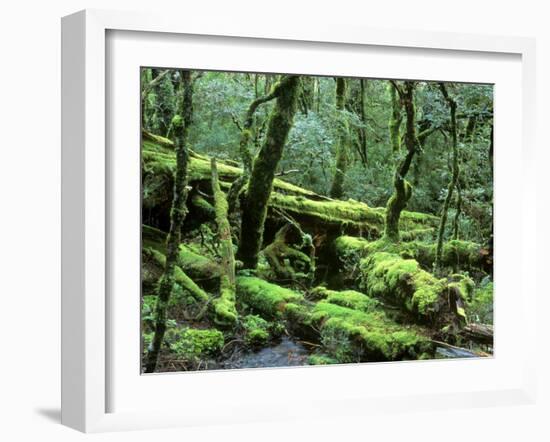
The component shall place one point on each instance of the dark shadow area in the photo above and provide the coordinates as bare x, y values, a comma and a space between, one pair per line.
51, 414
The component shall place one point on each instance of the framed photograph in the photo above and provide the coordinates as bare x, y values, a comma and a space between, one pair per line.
276, 222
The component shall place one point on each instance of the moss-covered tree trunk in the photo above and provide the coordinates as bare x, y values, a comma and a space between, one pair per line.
454, 178
402, 189
260, 183
180, 130
396, 118
337, 188
244, 148
224, 306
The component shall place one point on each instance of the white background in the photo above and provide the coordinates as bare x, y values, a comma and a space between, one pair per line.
30, 183
132, 392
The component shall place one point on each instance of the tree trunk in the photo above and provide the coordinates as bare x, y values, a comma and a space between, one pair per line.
180, 125
337, 188
395, 119
260, 183
224, 306
402, 189
454, 178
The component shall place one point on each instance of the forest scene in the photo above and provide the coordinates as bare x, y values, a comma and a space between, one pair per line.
293, 220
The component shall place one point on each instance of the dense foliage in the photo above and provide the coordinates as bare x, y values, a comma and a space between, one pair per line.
325, 270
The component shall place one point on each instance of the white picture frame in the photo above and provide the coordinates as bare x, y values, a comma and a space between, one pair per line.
86, 315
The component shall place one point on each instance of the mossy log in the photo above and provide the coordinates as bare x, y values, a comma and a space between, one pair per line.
153, 262
360, 335
480, 333
267, 299
432, 301
316, 212
456, 254
197, 266
350, 326
225, 313
285, 257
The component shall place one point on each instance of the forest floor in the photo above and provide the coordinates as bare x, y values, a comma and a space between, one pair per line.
329, 289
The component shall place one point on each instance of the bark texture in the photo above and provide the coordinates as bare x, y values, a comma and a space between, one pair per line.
260, 183
337, 189
454, 178
402, 188
224, 306
178, 212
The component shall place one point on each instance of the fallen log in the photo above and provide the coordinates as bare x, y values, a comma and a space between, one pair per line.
225, 313
457, 254
480, 333
311, 210
198, 267
438, 303
349, 325
153, 262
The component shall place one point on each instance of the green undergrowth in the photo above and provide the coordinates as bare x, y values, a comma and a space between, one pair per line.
194, 345
258, 332
480, 306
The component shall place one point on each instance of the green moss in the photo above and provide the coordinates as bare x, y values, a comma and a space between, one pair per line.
463, 254
194, 344
203, 207
352, 336
256, 330
225, 313
346, 298
153, 265
196, 265
268, 300
332, 211
153, 237
387, 275
159, 164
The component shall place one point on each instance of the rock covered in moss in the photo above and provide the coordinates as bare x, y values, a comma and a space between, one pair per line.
258, 331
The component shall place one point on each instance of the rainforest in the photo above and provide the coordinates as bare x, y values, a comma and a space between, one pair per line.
294, 220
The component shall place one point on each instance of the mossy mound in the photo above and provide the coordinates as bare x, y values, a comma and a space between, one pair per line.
153, 263
403, 282
196, 265
350, 335
268, 300
192, 344
258, 332
456, 253
345, 298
